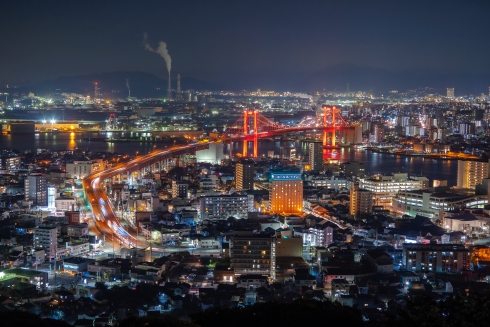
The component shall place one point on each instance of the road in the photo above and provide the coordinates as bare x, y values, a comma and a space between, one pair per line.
106, 221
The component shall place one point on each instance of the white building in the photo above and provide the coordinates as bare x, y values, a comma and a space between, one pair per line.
385, 188
208, 242
212, 155
46, 238
66, 204
331, 183
76, 248
433, 205
51, 198
82, 168
319, 235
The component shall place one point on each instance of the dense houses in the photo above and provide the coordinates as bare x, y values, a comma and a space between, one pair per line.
232, 232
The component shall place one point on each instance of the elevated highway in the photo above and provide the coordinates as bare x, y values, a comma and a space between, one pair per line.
251, 126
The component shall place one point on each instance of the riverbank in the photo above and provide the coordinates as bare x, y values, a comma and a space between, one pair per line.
445, 156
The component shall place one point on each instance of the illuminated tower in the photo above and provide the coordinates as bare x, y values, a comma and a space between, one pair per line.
179, 91
169, 89
96, 91
287, 192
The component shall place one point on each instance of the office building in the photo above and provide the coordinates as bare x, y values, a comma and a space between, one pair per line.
434, 204
452, 258
316, 156
361, 201
287, 192
385, 187
224, 206
179, 189
471, 173
253, 254
36, 189
244, 175
46, 238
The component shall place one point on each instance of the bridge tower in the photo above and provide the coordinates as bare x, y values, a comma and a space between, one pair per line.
250, 127
331, 121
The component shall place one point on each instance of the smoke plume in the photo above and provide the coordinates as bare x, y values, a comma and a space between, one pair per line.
161, 50
127, 83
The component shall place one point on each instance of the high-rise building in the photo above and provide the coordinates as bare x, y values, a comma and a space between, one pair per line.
471, 173
36, 189
179, 189
450, 92
361, 201
287, 192
316, 156
224, 206
253, 254
46, 238
244, 175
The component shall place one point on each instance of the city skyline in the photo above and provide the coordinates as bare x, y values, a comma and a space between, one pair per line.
261, 45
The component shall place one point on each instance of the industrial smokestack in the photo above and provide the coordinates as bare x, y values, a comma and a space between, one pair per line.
127, 85
169, 89
179, 91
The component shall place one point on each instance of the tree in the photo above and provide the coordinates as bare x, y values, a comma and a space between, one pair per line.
101, 286
297, 313
167, 321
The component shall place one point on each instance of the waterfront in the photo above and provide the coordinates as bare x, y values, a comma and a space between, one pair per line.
373, 162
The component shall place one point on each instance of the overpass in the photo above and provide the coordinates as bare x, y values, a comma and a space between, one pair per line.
251, 126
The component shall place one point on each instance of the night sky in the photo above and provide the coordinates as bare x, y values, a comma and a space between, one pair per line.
224, 41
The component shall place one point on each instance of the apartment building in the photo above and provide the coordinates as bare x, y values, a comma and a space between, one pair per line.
435, 257
471, 173
224, 206
253, 254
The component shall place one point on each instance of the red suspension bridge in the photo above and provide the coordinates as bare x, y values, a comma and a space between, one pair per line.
252, 125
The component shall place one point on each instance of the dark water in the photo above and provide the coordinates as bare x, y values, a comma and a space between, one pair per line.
71, 141
373, 162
